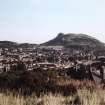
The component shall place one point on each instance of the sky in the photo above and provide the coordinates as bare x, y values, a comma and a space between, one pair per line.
37, 21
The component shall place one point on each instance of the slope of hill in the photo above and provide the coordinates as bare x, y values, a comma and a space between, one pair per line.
27, 45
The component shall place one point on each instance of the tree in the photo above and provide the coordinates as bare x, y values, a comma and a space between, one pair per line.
21, 66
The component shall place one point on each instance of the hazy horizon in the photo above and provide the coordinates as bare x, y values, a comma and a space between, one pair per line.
37, 21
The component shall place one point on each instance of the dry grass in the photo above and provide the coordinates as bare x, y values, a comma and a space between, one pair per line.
97, 97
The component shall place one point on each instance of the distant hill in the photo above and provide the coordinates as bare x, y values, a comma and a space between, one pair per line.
76, 42
68, 42
7, 44
10, 44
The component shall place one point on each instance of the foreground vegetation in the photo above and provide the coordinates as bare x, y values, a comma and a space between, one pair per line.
83, 97
46, 88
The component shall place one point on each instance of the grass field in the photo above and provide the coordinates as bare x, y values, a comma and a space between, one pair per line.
83, 97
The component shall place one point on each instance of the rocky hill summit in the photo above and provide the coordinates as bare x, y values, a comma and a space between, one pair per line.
76, 42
